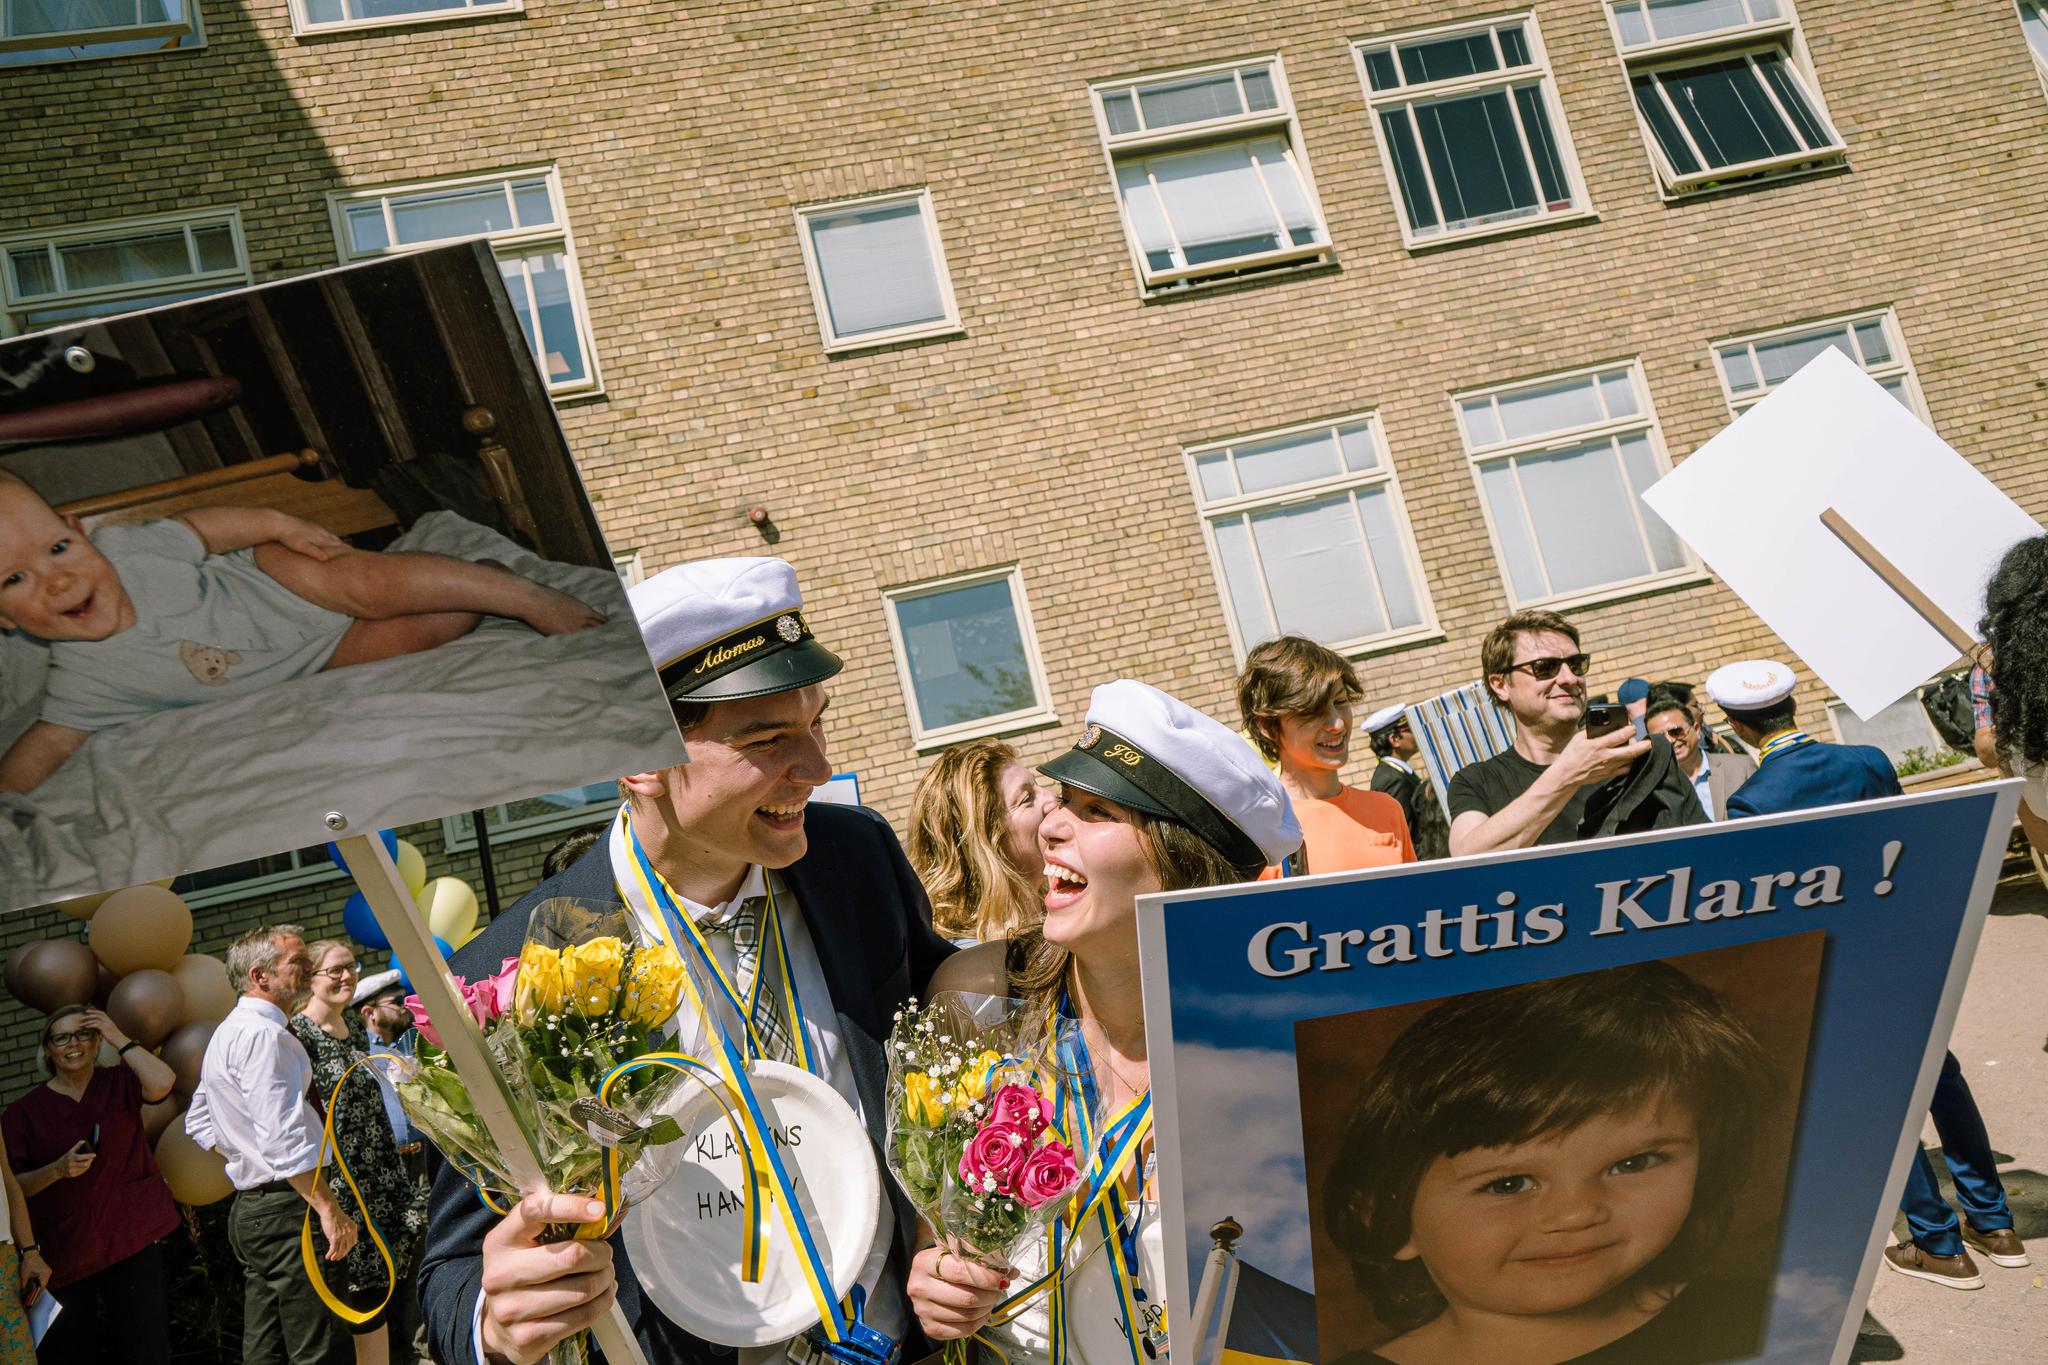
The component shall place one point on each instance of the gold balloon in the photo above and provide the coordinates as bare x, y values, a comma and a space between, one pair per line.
195, 1175
159, 1116
412, 867
144, 926
204, 980
83, 906
449, 908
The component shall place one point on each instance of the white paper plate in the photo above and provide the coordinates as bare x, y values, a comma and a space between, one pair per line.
684, 1239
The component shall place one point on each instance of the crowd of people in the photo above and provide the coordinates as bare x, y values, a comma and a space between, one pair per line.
1018, 881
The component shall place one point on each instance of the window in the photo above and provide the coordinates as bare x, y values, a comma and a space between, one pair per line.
1723, 90
523, 217
966, 657
1754, 365
322, 16
2034, 23
1470, 131
38, 31
1900, 729
258, 877
1210, 172
878, 273
1561, 465
1309, 537
69, 274
548, 813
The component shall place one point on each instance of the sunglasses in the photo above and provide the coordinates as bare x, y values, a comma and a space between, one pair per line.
1546, 668
84, 1035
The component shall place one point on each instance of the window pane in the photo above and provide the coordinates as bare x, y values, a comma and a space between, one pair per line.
1897, 389
1511, 525
1241, 576
1786, 87
561, 352
1683, 18
1448, 58
1870, 336
1901, 726
1543, 147
1120, 112
1620, 392
1389, 559
2034, 21
1514, 46
1408, 172
1379, 70
34, 318
1735, 363
1579, 505
1215, 201
1482, 428
1476, 158
1360, 451
1545, 408
876, 265
966, 654
28, 17
32, 272
1628, 19
1214, 473
530, 201
325, 12
216, 247
1786, 356
366, 227
127, 260
1640, 463
1147, 218
1286, 460
1189, 101
513, 272
1316, 569
451, 213
1724, 108
1650, 100
387, 9
1258, 88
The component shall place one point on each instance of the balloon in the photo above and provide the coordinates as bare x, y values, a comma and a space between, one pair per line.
441, 944
195, 1175
147, 1005
412, 866
470, 937
448, 906
83, 906
157, 1117
389, 836
105, 987
60, 971
204, 980
183, 1051
144, 926
11, 973
359, 922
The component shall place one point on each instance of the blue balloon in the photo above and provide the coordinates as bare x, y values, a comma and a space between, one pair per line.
390, 838
406, 981
360, 924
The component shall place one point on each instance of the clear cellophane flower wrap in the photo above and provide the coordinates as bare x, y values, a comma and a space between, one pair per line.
563, 1022
971, 1137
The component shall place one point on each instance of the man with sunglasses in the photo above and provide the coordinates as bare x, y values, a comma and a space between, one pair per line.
1558, 784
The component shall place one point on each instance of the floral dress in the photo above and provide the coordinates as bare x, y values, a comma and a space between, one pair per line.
362, 1130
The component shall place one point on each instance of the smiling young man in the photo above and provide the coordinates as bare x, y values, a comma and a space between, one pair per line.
730, 839
1550, 787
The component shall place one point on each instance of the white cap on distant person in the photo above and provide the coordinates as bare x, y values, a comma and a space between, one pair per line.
1384, 718
375, 984
1752, 685
721, 629
1151, 752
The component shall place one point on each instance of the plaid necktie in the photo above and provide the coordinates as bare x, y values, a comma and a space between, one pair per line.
769, 1025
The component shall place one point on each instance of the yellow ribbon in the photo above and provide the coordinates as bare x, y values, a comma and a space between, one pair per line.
352, 1316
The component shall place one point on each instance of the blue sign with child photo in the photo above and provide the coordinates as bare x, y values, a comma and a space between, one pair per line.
1637, 1100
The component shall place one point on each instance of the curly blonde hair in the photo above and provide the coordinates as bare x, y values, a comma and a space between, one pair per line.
957, 830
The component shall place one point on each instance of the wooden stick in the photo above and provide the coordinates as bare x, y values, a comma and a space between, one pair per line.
369, 862
1919, 601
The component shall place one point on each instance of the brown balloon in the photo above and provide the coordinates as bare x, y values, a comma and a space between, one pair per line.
146, 1005
61, 971
105, 987
159, 1116
183, 1051
11, 973
144, 926
208, 996
195, 1175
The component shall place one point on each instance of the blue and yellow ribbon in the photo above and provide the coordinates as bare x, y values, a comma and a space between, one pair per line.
353, 1316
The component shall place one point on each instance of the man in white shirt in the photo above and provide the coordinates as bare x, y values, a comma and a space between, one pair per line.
1715, 777
252, 1107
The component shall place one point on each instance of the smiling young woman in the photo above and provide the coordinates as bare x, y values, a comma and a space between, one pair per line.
1154, 796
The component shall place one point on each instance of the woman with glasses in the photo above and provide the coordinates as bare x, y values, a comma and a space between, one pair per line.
97, 1201
335, 1039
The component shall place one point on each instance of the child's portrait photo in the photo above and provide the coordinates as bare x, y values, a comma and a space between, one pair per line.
1589, 1169
293, 555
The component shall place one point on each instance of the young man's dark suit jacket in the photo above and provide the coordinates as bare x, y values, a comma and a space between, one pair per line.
1812, 775
871, 926
1403, 787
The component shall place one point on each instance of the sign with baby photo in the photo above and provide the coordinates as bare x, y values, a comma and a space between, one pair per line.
1644, 1100
293, 562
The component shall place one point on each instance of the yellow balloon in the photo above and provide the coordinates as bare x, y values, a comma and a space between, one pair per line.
448, 906
83, 906
411, 866
165, 883
470, 935
195, 1175
144, 926
208, 996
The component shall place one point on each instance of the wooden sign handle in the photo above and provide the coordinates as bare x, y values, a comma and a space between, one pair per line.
1919, 601
369, 862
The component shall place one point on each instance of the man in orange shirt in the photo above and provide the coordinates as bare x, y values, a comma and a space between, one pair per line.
1296, 698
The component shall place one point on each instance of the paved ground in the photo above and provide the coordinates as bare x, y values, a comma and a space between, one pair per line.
1999, 1040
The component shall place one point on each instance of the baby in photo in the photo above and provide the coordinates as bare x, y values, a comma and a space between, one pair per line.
218, 602
1544, 1173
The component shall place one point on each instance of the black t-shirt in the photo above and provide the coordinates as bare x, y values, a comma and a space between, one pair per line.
1491, 784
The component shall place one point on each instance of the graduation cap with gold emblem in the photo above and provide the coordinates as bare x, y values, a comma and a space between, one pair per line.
723, 629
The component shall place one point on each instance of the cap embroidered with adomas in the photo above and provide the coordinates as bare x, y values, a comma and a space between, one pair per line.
721, 629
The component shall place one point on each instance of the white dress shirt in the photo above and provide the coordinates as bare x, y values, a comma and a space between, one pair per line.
251, 1104
1703, 783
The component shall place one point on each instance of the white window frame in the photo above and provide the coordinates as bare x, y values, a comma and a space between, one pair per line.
1900, 366
303, 26
458, 834
13, 307
1029, 718
266, 884
2040, 7
916, 331
192, 27
558, 235
1407, 96
1280, 119
1209, 512
1645, 422
1781, 35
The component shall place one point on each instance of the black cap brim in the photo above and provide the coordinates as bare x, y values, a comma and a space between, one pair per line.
785, 670
1079, 768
